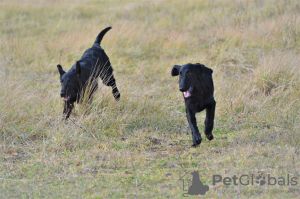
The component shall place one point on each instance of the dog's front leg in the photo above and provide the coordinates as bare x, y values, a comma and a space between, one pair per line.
209, 120
67, 110
191, 116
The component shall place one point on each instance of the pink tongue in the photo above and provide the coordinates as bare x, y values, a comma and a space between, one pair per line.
65, 98
186, 93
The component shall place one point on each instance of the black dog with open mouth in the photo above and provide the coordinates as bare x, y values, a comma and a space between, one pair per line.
84, 74
196, 84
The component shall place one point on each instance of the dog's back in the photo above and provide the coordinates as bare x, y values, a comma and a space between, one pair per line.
96, 59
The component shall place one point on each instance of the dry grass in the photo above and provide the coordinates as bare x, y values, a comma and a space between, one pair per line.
140, 146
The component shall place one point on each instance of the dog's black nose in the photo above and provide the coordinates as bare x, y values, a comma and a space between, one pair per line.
62, 93
181, 89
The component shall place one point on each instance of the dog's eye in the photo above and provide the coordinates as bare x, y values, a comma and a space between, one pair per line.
189, 74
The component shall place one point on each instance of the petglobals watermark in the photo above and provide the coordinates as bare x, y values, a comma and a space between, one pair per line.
255, 180
193, 184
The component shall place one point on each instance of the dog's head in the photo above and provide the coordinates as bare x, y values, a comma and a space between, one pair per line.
190, 76
70, 85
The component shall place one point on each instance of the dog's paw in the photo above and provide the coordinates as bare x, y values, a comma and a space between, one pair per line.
197, 141
209, 136
116, 93
117, 96
63, 117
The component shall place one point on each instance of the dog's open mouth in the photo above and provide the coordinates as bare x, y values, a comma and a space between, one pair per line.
66, 98
187, 93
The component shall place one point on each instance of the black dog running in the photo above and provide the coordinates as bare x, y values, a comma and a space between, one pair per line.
84, 74
196, 84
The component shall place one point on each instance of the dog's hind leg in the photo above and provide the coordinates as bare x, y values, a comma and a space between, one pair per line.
209, 120
191, 116
115, 91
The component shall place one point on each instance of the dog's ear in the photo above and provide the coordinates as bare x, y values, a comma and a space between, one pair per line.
175, 70
60, 70
203, 69
78, 68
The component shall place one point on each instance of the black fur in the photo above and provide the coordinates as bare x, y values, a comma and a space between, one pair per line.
196, 83
84, 74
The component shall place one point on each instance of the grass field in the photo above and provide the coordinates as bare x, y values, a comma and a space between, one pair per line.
141, 146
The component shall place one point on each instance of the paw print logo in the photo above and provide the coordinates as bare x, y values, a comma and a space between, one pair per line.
261, 180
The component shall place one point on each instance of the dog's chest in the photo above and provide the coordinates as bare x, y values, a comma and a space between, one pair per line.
196, 105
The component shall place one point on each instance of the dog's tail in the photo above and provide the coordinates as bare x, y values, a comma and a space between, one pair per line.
101, 35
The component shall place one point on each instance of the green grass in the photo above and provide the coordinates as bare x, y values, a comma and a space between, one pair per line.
141, 145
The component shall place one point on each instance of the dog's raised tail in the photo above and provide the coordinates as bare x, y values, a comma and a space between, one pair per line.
101, 35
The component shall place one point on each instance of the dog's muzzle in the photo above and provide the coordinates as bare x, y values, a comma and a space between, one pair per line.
187, 93
66, 98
